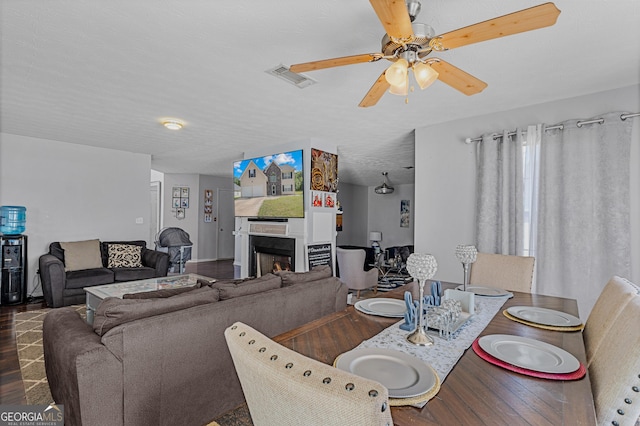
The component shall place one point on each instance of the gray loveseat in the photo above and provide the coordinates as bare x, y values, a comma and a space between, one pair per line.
165, 361
62, 287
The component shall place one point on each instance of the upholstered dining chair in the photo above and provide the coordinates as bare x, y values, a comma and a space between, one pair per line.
503, 271
613, 298
283, 387
615, 369
352, 273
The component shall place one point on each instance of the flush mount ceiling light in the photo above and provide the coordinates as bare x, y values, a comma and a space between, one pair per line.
173, 124
385, 188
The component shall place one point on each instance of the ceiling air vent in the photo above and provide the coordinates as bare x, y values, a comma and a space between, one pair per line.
299, 80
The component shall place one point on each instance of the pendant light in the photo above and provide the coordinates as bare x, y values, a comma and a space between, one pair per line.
385, 188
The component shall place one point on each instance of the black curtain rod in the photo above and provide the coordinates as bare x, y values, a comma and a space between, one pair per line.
560, 126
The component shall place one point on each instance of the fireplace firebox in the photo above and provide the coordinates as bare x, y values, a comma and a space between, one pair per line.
270, 254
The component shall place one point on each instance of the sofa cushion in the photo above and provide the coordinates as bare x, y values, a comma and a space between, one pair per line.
133, 274
114, 311
104, 247
124, 256
317, 273
88, 278
229, 290
157, 294
79, 255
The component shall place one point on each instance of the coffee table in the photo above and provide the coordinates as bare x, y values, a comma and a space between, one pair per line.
97, 294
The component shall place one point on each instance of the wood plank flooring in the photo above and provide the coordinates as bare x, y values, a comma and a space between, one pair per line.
11, 388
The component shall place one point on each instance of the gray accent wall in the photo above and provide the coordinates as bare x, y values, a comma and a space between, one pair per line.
73, 192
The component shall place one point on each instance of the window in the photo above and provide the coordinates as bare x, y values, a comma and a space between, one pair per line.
287, 175
252, 173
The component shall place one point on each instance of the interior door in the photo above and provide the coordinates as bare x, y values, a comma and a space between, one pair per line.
226, 224
154, 219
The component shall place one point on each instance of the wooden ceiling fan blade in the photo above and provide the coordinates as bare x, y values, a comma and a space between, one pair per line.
533, 18
456, 78
375, 93
394, 17
335, 62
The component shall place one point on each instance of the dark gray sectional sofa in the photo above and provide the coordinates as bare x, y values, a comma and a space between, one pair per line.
64, 288
164, 360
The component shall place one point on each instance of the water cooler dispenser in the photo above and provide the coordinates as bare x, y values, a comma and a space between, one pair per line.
13, 270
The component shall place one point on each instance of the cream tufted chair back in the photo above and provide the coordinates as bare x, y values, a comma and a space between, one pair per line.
615, 369
508, 272
613, 298
283, 387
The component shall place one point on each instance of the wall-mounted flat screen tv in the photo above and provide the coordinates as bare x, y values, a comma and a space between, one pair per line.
269, 187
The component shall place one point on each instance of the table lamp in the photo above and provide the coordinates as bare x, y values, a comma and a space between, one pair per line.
375, 238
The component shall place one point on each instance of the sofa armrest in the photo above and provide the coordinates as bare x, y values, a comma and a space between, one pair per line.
53, 278
82, 373
157, 260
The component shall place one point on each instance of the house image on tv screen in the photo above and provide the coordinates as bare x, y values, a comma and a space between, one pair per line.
275, 180
272, 177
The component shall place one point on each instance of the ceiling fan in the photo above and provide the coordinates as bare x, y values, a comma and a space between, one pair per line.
408, 45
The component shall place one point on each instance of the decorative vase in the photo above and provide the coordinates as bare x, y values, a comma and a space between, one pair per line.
467, 254
421, 267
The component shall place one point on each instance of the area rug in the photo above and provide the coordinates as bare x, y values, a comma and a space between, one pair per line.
28, 326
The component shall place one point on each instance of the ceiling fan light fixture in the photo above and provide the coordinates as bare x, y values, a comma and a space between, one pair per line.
385, 188
401, 89
396, 74
424, 74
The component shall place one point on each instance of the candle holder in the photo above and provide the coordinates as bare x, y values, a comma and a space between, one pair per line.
421, 267
467, 254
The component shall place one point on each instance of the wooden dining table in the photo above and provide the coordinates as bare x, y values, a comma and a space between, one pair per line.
475, 392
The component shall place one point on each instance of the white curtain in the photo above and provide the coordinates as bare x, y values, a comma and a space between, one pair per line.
583, 218
499, 208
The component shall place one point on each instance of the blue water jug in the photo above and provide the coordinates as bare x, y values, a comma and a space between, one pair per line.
13, 220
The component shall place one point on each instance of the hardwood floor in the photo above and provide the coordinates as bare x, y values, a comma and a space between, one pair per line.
11, 388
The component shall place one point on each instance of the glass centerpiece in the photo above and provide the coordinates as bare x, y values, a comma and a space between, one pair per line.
467, 254
421, 267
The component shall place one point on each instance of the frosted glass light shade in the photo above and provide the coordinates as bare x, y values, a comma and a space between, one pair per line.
396, 74
424, 74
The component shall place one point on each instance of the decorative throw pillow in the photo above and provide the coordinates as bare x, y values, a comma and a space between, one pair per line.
79, 255
124, 256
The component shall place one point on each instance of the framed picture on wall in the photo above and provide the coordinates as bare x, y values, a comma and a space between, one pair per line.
405, 213
176, 202
177, 192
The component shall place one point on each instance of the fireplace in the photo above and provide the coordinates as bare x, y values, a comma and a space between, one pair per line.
269, 254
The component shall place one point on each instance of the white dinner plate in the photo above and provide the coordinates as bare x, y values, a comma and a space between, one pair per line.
486, 291
529, 353
404, 375
384, 307
544, 316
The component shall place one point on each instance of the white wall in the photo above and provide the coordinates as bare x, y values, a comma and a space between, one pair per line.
446, 206
73, 192
384, 216
354, 200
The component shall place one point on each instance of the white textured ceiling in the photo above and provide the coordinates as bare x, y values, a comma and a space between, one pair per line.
103, 73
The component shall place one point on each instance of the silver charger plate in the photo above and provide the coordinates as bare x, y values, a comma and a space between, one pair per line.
529, 353
382, 306
404, 375
485, 291
544, 316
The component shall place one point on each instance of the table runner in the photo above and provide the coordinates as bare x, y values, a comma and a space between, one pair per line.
443, 354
